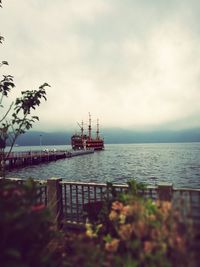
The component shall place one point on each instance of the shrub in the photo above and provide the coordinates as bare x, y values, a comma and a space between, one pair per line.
139, 232
131, 232
27, 234
81, 250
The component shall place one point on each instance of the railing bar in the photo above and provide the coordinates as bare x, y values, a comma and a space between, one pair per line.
70, 200
45, 191
41, 194
65, 199
95, 193
83, 196
107, 193
199, 199
101, 193
93, 184
190, 198
88, 193
187, 189
77, 215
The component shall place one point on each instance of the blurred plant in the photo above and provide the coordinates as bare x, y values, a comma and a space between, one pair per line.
97, 212
146, 234
81, 250
141, 232
28, 236
134, 232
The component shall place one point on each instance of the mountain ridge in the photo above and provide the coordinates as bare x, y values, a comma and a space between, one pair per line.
112, 136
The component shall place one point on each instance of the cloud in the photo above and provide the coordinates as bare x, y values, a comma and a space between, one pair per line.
132, 64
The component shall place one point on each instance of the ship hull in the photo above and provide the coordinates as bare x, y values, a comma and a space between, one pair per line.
95, 144
79, 143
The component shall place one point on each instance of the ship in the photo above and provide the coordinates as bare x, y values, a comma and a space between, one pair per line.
86, 141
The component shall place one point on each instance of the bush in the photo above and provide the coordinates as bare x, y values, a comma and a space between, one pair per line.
139, 232
26, 229
130, 232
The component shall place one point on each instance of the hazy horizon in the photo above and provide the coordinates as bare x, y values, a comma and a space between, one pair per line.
112, 136
132, 64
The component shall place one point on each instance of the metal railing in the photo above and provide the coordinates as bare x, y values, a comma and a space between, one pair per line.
188, 203
32, 154
69, 201
77, 196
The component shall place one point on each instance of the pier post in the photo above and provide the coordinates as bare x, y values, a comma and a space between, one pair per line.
54, 200
165, 191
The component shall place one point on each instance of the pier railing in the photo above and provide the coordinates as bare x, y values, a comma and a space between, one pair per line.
69, 201
27, 158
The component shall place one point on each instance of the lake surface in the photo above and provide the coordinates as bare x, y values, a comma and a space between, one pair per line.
178, 163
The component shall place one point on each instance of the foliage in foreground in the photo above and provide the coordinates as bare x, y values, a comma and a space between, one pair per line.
27, 233
131, 232
139, 232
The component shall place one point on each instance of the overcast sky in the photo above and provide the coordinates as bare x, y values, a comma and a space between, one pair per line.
133, 64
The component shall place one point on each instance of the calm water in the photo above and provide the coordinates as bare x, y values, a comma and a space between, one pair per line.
150, 163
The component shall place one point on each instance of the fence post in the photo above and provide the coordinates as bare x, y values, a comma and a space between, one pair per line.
165, 191
54, 200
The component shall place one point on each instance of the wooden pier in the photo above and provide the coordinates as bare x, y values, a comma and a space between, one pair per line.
22, 159
27, 158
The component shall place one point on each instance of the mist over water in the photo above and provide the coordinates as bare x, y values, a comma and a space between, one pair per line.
177, 163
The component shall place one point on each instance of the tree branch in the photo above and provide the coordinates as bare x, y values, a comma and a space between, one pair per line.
6, 114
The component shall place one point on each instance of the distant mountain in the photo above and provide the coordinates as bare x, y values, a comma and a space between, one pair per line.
130, 136
33, 138
112, 136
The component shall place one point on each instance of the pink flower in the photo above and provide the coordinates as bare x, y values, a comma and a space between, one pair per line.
126, 210
38, 207
118, 206
148, 247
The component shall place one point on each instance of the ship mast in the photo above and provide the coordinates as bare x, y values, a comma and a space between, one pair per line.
89, 127
81, 126
97, 132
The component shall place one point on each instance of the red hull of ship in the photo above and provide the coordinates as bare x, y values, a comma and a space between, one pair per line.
78, 143
96, 144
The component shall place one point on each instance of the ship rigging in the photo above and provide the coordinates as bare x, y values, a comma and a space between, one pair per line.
86, 141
